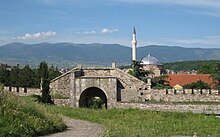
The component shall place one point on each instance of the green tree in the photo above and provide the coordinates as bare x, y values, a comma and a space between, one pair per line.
197, 85
15, 77
53, 72
138, 71
160, 82
216, 76
26, 77
44, 74
206, 69
4, 76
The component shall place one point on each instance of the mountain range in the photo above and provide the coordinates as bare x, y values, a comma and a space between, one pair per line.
69, 54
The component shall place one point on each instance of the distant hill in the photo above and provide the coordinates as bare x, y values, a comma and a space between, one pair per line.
69, 54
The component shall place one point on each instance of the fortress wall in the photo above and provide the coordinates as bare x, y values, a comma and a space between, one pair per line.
30, 91
61, 86
131, 88
209, 109
170, 95
96, 72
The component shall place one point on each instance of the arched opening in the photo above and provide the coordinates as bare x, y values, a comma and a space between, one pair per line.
93, 98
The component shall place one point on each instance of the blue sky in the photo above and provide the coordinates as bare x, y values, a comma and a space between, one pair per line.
186, 23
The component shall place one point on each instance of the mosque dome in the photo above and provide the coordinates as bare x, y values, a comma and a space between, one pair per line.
150, 60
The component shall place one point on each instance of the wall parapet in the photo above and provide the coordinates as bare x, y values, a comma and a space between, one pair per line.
22, 91
186, 95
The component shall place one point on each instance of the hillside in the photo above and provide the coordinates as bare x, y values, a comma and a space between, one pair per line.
23, 118
69, 54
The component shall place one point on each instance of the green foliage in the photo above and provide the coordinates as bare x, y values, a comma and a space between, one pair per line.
44, 75
216, 75
197, 85
20, 118
201, 66
134, 122
25, 77
206, 69
95, 103
160, 82
15, 76
4, 76
138, 71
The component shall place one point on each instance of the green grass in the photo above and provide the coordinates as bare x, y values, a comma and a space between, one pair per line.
23, 118
142, 123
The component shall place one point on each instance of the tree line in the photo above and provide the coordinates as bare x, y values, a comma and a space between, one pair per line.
27, 77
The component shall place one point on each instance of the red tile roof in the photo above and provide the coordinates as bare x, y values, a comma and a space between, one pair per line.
183, 79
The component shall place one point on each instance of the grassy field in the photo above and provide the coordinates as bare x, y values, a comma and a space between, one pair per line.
117, 122
142, 123
22, 118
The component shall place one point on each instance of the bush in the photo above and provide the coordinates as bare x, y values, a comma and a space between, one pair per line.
22, 118
95, 103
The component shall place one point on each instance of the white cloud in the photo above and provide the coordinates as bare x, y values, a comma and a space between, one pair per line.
38, 35
90, 32
108, 30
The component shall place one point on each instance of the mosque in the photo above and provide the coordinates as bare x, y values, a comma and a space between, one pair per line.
149, 62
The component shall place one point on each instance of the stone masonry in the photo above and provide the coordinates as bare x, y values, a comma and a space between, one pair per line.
113, 82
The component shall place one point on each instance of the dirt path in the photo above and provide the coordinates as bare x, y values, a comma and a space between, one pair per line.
79, 128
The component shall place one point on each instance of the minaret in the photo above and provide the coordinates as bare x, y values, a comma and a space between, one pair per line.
134, 45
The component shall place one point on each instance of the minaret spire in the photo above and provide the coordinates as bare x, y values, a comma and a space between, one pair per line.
134, 45
134, 32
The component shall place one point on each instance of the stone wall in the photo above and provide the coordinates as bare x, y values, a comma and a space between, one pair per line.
21, 91
215, 109
61, 85
132, 89
62, 102
129, 88
185, 95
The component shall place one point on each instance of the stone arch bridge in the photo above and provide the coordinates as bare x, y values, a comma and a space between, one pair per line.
111, 84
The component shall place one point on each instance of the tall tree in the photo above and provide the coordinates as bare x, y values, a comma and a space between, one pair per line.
15, 77
44, 74
138, 71
216, 76
26, 77
4, 76
53, 72
160, 82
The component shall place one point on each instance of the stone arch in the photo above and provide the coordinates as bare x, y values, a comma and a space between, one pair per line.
91, 92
